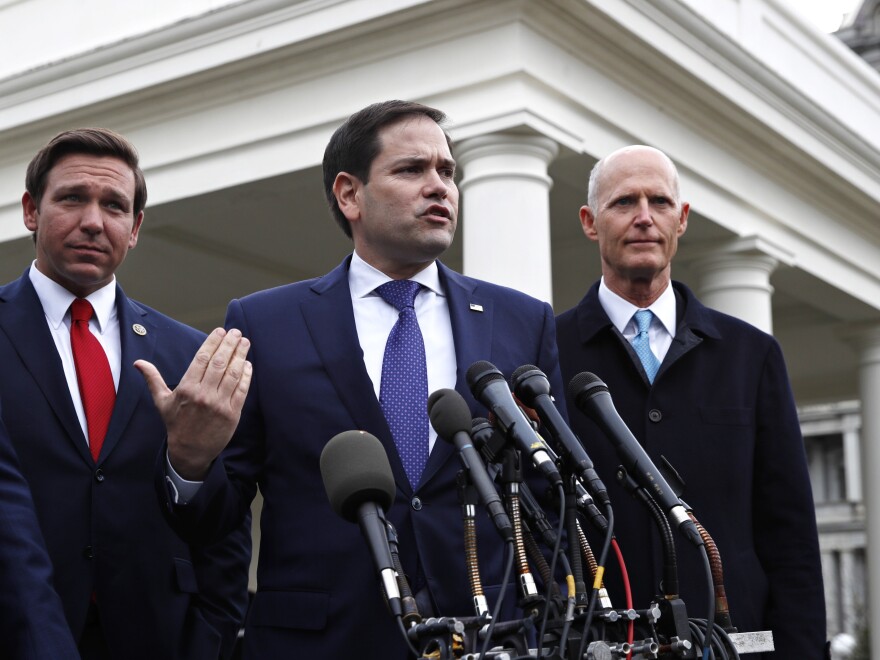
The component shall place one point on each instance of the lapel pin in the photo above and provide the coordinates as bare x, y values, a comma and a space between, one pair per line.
139, 329
476, 308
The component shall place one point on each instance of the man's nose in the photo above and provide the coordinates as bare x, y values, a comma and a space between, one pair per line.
437, 184
643, 211
91, 218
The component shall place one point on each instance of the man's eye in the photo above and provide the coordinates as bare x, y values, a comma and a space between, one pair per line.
660, 200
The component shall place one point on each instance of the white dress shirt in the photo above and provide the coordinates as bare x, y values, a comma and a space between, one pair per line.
374, 318
104, 324
662, 328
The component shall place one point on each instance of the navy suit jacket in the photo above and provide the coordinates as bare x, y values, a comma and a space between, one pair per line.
722, 412
105, 533
32, 624
318, 595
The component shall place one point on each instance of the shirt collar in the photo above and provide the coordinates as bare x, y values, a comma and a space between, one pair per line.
56, 300
363, 278
620, 311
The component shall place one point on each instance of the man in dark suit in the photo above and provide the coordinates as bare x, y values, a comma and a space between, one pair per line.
131, 588
712, 396
318, 350
32, 624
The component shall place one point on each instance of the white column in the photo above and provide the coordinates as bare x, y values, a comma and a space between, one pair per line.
852, 458
831, 578
506, 210
734, 278
848, 577
867, 341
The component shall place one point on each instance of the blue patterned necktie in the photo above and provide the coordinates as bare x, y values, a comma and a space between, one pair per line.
642, 345
403, 392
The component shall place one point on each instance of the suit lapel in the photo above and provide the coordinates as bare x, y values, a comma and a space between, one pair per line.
135, 346
472, 325
22, 320
471, 317
330, 320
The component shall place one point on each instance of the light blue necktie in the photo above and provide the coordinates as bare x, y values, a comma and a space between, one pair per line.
403, 391
642, 345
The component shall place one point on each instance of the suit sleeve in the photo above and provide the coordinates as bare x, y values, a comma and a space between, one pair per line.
32, 623
785, 532
223, 501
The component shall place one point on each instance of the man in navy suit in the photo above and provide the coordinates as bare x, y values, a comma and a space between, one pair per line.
712, 396
131, 588
317, 350
32, 624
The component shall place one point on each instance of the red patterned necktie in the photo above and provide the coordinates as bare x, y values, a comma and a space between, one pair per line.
92, 373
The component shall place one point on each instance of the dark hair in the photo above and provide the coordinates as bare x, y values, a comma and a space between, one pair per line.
91, 141
354, 146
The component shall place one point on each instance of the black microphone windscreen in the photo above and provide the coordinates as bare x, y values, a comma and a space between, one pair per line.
355, 469
521, 370
480, 374
528, 382
449, 413
585, 382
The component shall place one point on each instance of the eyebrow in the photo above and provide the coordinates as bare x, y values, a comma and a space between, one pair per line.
421, 160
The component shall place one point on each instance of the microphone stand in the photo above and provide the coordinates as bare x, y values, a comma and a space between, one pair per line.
722, 610
410, 610
673, 622
467, 495
511, 477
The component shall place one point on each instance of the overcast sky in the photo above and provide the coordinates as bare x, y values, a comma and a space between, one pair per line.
824, 14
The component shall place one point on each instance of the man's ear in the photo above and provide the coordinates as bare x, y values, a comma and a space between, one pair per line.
30, 211
683, 219
588, 223
346, 189
133, 239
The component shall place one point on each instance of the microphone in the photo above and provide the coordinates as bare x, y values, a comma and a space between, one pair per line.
489, 443
592, 398
451, 418
532, 387
360, 487
490, 388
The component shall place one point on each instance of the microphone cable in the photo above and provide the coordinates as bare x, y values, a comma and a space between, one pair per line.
710, 616
597, 582
505, 585
627, 592
556, 552
723, 647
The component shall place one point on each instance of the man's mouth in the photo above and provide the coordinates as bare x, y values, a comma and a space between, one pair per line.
438, 210
81, 247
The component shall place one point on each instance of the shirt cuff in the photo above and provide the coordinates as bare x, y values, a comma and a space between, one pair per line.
181, 490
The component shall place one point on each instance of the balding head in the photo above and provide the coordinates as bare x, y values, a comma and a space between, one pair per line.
596, 174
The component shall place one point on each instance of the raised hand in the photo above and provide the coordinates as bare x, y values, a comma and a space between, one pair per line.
201, 413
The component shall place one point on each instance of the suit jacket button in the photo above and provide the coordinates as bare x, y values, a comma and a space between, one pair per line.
655, 415
99, 475
416, 504
88, 552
